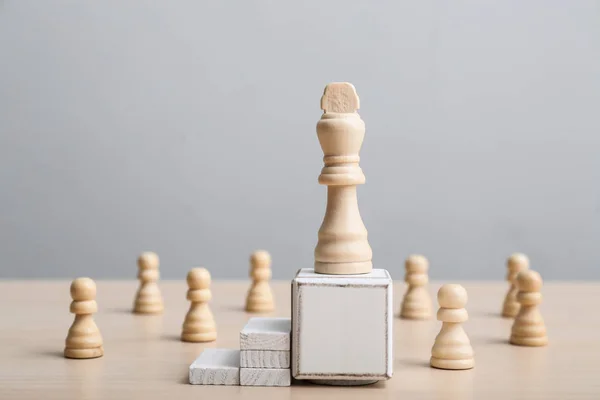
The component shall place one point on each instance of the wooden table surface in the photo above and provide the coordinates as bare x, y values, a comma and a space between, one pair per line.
144, 358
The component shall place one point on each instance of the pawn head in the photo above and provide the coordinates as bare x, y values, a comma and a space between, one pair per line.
83, 289
517, 262
198, 278
529, 281
416, 263
148, 260
260, 258
452, 296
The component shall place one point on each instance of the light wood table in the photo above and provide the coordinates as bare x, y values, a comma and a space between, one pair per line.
144, 358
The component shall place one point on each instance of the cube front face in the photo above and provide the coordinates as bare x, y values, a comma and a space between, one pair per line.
342, 326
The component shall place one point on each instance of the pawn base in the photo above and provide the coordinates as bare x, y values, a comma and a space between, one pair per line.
149, 309
260, 308
529, 341
84, 353
199, 337
415, 314
440, 363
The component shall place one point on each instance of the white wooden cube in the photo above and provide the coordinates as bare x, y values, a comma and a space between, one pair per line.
342, 326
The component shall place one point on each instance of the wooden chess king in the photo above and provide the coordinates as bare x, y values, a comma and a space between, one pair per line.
342, 309
343, 247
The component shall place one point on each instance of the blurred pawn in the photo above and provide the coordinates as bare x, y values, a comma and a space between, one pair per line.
260, 297
148, 299
416, 303
199, 324
529, 328
84, 339
516, 263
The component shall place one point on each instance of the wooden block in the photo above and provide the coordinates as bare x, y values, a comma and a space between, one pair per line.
216, 367
266, 334
264, 359
342, 326
265, 377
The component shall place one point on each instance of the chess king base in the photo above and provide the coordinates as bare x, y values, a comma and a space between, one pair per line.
342, 327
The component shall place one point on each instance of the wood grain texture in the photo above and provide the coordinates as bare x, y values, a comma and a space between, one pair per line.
264, 333
216, 367
265, 377
264, 359
145, 360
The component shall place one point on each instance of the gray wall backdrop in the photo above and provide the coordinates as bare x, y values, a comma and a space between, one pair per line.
188, 128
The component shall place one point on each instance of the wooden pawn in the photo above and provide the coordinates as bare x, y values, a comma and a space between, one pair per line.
452, 347
260, 296
528, 328
199, 324
148, 299
516, 263
83, 339
416, 303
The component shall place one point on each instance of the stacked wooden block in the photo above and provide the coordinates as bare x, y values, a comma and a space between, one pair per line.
265, 352
216, 367
263, 358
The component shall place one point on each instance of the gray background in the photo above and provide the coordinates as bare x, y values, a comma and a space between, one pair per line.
188, 128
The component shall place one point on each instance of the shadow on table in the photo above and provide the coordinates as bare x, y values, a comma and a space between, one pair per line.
489, 340
120, 310
307, 385
485, 314
412, 363
50, 353
171, 338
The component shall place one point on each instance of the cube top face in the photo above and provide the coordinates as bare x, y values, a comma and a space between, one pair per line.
372, 278
342, 326
221, 358
264, 324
